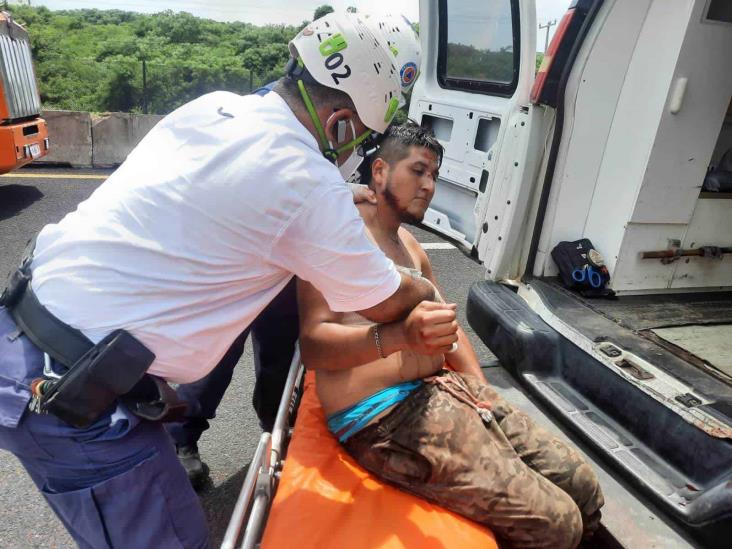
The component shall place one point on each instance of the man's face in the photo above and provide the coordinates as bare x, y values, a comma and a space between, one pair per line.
410, 184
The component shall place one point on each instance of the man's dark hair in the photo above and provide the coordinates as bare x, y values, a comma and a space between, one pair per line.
286, 87
394, 146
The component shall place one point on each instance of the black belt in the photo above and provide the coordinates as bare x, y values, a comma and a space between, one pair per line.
96, 374
60, 341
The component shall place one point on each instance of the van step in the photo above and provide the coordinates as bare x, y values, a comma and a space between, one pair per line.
682, 469
609, 436
628, 520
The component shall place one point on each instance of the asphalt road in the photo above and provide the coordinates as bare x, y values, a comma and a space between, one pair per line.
32, 198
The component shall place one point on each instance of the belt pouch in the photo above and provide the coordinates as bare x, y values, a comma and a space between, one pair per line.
153, 399
92, 385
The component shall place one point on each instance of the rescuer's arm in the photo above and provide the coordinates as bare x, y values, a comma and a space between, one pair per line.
326, 245
411, 292
327, 343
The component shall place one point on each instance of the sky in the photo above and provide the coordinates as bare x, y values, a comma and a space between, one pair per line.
261, 12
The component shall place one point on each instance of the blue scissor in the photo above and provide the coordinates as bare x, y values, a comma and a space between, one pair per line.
589, 275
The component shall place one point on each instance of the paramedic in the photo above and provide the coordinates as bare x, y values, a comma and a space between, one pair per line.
170, 259
446, 436
275, 331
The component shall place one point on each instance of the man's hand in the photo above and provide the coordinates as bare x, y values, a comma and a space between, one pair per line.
361, 193
431, 328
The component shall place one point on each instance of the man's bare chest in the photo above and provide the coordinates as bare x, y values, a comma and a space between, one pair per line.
398, 253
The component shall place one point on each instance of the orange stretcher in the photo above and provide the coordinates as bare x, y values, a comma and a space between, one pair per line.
324, 499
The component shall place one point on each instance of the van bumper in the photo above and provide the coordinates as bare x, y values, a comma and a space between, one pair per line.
683, 470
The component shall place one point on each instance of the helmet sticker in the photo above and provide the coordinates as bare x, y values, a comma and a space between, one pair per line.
391, 109
333, 45
408, 73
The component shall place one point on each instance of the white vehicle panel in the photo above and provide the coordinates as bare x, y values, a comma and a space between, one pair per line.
710, 225
592, 95
685, 141
635, 125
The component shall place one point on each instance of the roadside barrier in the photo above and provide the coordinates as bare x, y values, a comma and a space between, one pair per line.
84, 140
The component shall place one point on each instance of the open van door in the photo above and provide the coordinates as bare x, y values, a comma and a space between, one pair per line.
479, 60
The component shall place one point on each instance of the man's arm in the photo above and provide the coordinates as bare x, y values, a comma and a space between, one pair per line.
328, 344
464, 358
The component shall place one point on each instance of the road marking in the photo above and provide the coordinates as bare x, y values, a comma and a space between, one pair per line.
437, 246
53, 176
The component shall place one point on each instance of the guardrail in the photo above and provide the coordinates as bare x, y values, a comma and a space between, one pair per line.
85, 140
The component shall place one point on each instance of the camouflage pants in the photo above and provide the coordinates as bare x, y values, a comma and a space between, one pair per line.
529, 487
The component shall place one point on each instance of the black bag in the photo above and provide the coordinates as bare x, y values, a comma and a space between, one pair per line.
93, 384
581, 258
570, 256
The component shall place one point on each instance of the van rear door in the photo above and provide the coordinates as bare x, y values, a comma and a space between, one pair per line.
479, 60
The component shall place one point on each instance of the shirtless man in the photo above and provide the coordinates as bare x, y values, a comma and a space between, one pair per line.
443, 435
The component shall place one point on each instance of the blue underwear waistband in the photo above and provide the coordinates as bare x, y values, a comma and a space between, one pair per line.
348, 422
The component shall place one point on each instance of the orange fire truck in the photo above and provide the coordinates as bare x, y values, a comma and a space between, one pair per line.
23, 133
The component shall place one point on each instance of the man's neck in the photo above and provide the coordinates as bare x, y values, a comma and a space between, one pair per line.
387, 221
383, 226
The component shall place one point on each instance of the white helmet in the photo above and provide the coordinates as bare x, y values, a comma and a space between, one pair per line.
340, 51
403, 43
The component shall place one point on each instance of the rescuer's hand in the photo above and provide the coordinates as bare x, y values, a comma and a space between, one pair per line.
361, 193
431, 328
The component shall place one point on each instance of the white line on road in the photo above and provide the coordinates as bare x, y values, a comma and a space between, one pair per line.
437, 246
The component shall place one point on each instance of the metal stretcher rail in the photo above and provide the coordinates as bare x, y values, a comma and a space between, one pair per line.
263, 474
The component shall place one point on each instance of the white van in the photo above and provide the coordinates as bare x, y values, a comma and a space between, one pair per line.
619, 144
622, 138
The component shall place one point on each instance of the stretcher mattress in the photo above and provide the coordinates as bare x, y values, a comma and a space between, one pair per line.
326, 500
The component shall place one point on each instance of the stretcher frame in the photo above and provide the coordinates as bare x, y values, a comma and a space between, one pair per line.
260, 484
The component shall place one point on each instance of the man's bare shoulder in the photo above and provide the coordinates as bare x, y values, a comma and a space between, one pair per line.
415, 248
408, 238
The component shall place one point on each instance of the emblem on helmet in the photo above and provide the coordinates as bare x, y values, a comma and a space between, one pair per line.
408, 73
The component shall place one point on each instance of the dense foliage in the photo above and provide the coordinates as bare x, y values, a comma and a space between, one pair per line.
468, 62
93, 60
320, 11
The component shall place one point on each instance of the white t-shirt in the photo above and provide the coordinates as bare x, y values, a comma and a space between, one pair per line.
203, 224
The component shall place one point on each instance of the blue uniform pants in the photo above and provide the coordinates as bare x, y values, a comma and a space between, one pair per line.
274, 334
116, 483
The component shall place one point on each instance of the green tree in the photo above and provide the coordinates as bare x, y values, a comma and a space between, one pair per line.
92, 59
122, 92
320, 11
